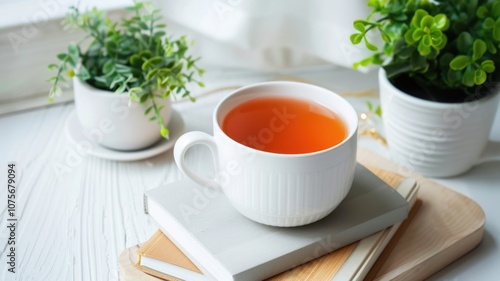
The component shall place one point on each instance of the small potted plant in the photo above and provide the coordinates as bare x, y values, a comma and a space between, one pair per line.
439, 78
124, 73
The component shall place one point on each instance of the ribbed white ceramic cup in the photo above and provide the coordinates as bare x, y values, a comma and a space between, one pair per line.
435, 139
278, 189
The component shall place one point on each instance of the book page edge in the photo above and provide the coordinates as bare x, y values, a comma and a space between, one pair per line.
361, 259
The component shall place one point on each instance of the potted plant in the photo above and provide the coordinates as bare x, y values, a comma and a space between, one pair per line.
439, 78
124, 74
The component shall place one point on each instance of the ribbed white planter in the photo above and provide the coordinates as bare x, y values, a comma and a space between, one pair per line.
432, 138
111, 121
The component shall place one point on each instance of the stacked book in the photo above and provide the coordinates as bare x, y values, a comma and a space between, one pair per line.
202, 237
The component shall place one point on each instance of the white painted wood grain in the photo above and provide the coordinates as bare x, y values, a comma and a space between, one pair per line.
77, 213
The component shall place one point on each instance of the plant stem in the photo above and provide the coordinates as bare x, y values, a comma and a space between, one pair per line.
59, 71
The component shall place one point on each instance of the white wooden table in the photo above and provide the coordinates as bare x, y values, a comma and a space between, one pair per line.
76, 213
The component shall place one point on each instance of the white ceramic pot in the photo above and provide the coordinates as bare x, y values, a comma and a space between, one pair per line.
432, 138
108, 119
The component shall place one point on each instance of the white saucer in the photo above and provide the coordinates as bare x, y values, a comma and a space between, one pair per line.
74, 131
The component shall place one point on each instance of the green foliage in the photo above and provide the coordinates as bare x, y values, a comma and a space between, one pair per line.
132, 56
377, 111
440, 44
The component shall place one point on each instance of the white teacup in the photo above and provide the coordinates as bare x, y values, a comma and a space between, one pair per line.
271, 188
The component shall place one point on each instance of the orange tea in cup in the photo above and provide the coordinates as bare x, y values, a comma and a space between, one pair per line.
284, 125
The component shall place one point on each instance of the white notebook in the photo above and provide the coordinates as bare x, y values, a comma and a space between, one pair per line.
225, 245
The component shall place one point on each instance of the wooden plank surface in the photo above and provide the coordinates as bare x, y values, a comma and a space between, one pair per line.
447, 226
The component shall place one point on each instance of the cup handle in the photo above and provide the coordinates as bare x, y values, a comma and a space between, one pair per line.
490, 153
183, 144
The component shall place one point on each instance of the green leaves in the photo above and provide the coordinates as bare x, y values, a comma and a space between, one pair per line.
152, 63
363, 27
460, 62
73, 54
441, 22
424, 46
482, 12
62, 57
474, 77
464, 42
83, 73
359, 26
496, 31
418, 17
377, 111
488, 23
356, 38
133, 55
488, 66
108, 67
478, 49
377, 4
370, 46
490, 15
496, 9
427, 32
437, 44
468, 78
427, 22
54, 92
375, 59
479, 76
52, 66
164, 132
476, 68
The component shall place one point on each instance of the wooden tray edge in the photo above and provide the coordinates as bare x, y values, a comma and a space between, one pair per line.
430, 266
432, 262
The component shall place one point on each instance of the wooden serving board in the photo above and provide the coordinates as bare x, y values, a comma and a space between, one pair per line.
446, 226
